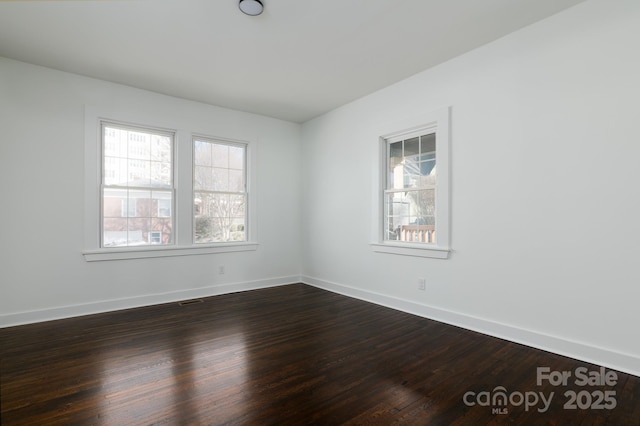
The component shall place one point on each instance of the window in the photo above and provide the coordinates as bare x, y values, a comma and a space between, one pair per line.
409, 194
152, 191
137, 174
413, 197
219, 191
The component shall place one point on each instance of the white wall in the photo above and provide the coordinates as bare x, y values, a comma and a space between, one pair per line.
545, 204
43, 274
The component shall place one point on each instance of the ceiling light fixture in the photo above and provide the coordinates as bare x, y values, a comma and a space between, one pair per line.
251, 7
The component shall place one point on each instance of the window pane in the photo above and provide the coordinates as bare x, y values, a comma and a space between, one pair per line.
140, 203
129, 207
163, 227
202, 222
115, 171
160, 174
411, 173
410, 215
203, 229
397, 208
236, 181
236, 206
428, 158
411, 147
218, 217
236, 157
213, 222
220, 180
428, 143
114, 232
138, 231
112, 202
220, 155
395, 171
238, 229
428, 172
162, 204
139, 146
202, 178
219, 193
135, 159
202, 153
139, 173
395, 150
115, 142
206, 206
161, 148
424, 207
218, 205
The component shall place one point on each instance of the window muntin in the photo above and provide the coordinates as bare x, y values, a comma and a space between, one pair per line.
410, 188
219, 191
137, 179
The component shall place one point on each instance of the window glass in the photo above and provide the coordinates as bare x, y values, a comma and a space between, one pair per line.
137, 186
409, 199
220, 195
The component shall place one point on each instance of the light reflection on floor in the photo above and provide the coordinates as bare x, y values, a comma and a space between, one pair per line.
169, 381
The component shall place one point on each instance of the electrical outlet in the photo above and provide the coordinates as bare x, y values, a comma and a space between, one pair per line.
221, 269
422, 284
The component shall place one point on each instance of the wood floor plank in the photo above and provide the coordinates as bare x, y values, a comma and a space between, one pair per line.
289, 355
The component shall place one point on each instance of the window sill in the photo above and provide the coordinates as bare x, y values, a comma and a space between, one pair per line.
412, 249
125, 253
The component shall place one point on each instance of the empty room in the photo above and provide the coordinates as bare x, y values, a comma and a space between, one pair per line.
286, 212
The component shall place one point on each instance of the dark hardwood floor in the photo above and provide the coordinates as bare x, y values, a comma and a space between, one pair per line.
290, 355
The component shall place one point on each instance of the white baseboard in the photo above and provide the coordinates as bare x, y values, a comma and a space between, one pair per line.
607, 358
21, 318
603, 357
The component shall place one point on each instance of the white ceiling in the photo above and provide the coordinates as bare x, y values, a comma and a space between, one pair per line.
297, 60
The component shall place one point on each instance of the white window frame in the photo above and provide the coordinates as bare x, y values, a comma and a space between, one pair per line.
129, 205
437, 122
182, 208
245, 192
